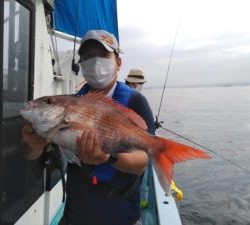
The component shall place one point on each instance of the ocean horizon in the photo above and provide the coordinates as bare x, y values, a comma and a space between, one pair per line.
216, 191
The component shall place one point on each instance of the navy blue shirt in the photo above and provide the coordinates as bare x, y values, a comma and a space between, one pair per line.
113, 202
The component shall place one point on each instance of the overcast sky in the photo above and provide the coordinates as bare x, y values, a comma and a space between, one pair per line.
212, 45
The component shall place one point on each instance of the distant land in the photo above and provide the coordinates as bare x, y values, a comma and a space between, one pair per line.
203, 85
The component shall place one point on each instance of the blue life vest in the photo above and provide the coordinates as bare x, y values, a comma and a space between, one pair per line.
122, 95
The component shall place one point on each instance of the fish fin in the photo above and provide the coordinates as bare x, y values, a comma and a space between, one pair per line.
128, 113
133, 116
167, 153
164, 171
64, 125
70, 156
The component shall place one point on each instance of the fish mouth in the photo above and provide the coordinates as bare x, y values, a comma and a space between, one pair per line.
30, 106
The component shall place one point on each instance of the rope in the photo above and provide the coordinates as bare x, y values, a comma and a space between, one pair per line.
208, 149
170, 59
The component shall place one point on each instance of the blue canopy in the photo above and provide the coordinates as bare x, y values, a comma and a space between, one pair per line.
76, 17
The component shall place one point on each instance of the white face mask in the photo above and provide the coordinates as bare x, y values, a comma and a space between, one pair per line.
138, 87
98, 71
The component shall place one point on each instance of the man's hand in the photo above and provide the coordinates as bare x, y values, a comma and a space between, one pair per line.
89, 149
90, 152
33, 144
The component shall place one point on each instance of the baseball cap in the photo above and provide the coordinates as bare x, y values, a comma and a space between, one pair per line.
135, 76
107, 39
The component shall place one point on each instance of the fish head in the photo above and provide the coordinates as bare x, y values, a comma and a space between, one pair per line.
44, 113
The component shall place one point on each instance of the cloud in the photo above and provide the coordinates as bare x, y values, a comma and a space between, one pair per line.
203, 60
212, 44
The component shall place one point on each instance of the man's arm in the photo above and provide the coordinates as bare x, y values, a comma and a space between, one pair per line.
134, 162
90, 152
139, 104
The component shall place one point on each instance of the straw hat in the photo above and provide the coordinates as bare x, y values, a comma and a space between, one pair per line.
135, 76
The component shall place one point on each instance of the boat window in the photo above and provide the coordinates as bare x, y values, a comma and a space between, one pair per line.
21, 180
15, 57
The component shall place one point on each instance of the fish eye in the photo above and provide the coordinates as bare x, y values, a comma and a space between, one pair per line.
49, 101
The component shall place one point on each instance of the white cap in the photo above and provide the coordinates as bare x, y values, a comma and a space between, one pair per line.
135, 76
107, 39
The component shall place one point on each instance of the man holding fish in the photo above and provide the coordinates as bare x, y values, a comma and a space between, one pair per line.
114, 198
106, 143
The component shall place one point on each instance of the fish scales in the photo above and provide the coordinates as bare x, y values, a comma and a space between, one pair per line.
62, 119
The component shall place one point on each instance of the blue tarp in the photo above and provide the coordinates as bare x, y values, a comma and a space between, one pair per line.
76, 17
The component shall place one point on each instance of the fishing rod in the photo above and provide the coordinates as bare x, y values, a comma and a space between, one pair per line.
158, 123
208, 149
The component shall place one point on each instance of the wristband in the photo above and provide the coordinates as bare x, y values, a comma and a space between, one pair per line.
113, 158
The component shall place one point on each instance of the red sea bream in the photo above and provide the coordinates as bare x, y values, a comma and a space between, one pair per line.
63, 118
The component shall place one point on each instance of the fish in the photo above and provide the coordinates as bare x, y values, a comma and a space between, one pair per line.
63, 118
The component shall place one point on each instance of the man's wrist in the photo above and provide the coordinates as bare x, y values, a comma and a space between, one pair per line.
113, 158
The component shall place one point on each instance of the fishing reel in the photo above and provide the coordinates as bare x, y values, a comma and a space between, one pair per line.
157, 123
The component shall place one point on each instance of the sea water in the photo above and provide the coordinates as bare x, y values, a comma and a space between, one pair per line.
215, 191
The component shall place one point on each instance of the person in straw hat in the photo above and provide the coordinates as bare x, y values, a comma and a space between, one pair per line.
135, 79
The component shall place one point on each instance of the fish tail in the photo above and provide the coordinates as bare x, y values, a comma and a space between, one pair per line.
166, 153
